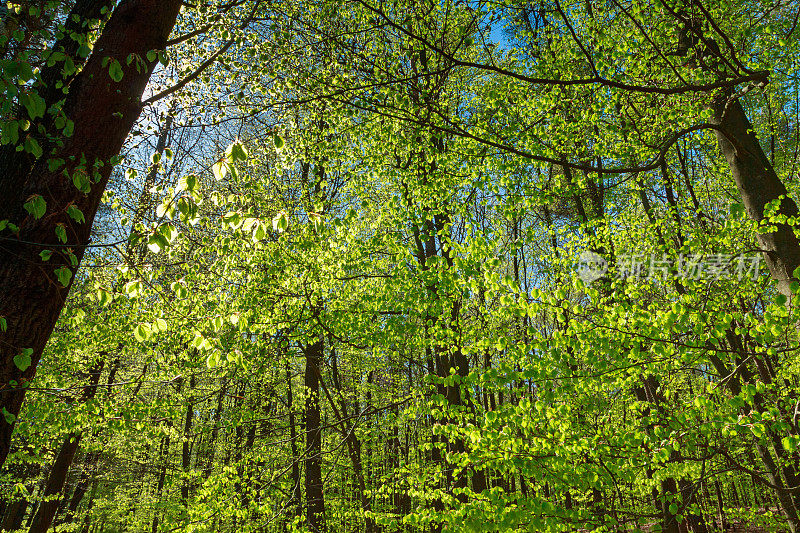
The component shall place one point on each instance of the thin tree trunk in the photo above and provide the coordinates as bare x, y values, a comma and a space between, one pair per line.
14, 515
353, 448
87, 517
91, 459
315, 497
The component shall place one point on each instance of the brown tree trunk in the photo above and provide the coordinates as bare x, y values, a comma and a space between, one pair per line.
17, 165
82, 486
758, 185
315, 497
91, 459
103, 112
353, 446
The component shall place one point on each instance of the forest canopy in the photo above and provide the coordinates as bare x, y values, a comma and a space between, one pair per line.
399, 266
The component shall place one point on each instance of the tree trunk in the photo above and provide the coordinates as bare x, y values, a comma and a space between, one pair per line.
91, 459
758, 185
17, 165
315, 499
103, 112
81, 487
353, 446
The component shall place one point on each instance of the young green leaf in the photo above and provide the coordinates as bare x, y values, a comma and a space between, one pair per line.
280, 222
9, 417
23, 359
115, 70
61, 232
36, 206
64, 275
220, 169
142, 332
76, 214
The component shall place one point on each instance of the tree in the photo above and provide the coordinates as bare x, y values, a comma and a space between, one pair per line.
56, 196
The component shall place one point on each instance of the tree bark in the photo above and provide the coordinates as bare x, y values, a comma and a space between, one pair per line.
103, 112
758, 185
212, 443
315, 498
16, 165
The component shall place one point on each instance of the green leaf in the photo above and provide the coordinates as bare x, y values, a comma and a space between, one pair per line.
61, 232
278, 141
142, 332
64, 275
36, 206
187, 183
76, 214
238, 152
104, 297
33, 147
160, 325
34, 103
156, 243
280, 222
166, 209
115, 70
168, 231
3, 324
259, 233
23, 359
54, 164
81, 181
9, 417
220, 170
46, 254
10, 132
133, 288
